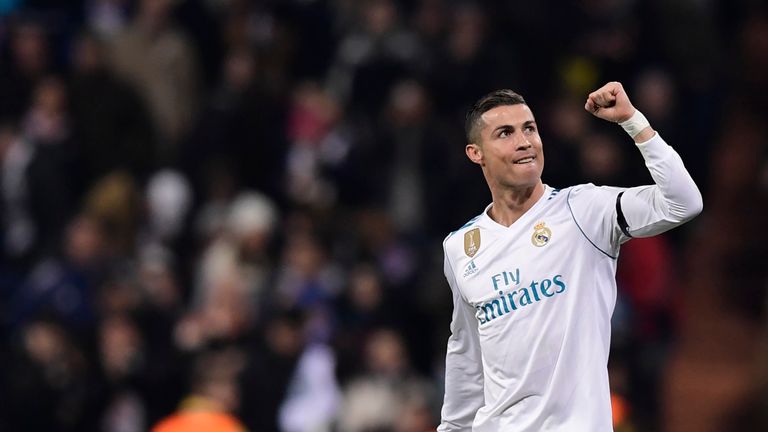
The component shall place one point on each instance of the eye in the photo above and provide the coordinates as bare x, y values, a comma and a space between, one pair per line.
505, 133
530, 128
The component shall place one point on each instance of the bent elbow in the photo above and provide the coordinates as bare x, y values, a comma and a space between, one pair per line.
698, 205
692, 208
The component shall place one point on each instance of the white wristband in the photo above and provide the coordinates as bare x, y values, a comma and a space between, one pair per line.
635, 124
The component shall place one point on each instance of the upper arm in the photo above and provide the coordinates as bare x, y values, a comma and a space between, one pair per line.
649, 212
464, 332
463, 363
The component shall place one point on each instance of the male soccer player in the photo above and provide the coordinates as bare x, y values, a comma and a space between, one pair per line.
533, 276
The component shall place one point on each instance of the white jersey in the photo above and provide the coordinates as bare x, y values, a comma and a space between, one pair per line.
530, 333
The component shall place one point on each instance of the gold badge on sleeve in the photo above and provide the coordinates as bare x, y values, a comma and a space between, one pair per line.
541, 235
472, 242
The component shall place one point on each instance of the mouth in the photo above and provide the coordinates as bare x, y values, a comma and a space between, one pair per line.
525, 160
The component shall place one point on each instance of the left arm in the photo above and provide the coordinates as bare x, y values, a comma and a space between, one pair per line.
674, 198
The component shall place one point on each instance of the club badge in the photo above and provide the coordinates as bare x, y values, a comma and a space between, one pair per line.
541, 235
472, 242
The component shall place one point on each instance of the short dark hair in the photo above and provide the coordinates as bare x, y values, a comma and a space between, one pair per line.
486, 103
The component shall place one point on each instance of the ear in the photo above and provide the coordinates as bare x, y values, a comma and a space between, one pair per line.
474, 153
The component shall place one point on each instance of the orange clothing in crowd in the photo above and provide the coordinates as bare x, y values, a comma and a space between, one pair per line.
199, 419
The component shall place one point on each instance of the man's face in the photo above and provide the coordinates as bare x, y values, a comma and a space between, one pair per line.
509, 148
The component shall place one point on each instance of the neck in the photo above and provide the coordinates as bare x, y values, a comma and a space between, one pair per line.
510, 204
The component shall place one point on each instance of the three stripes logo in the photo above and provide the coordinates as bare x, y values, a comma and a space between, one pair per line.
470, 269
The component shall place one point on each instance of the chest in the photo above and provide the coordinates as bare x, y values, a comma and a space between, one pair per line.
529, 261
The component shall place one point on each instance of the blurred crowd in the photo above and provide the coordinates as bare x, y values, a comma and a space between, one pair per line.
236, 207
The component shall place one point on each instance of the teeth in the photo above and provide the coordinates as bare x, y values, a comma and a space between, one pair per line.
524, 160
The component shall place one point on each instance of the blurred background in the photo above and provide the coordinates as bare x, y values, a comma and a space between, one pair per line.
236, 207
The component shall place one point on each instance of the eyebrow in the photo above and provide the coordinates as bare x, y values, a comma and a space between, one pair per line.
507, 126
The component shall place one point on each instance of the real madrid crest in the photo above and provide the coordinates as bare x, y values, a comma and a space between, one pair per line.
472, 242
541, 235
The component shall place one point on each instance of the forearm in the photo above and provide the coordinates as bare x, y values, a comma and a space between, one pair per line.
645, 135
637, 127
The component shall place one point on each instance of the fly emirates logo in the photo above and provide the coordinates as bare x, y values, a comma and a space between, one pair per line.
512, 296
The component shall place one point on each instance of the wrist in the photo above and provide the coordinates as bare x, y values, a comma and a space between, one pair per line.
628, 116
635, 124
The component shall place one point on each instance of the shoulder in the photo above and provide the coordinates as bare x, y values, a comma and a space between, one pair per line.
589, 194
589, 203
454, 241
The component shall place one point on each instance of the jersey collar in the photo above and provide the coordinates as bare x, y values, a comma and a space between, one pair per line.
488, 221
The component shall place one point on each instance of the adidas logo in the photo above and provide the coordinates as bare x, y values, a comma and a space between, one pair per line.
471, 269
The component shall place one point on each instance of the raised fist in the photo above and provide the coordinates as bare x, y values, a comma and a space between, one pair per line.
610, 102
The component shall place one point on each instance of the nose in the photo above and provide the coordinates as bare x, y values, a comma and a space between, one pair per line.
523, 143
